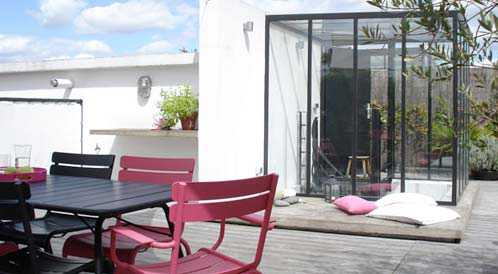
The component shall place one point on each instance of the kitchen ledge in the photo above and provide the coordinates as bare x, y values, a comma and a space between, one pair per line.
174, 133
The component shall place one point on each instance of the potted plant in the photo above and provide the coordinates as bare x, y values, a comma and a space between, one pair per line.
179, 104
484, 159
165, 122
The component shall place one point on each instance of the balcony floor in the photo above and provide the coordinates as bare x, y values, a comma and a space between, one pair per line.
289, 251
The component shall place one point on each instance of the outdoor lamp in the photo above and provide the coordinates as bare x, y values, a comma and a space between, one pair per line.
249, 26
144, 86
300, 44
62, 83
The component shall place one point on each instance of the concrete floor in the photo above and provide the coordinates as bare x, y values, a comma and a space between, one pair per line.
289, 251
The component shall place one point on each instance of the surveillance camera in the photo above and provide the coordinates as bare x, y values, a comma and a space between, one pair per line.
62, 83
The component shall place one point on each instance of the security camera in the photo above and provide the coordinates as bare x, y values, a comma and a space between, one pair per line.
62, 83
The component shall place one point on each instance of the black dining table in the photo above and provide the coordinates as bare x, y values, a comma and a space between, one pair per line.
100, 198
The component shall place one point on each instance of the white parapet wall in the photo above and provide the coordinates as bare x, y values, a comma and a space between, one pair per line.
231, 81
108, 88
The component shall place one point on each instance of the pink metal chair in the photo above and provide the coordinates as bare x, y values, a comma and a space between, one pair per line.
135, 170
199, 202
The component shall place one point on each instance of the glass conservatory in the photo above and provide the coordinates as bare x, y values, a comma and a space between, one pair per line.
345, 114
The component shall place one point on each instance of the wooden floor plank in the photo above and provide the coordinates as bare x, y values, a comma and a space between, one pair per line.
311, 252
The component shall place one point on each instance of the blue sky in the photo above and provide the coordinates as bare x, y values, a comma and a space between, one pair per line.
62, 29
32, 30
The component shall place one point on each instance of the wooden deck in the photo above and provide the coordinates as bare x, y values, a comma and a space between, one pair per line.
290, 251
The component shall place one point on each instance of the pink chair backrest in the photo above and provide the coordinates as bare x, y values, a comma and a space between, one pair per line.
219, 201
155, 170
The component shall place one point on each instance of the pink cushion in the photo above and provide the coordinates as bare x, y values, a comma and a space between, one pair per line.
376, 188
354, 205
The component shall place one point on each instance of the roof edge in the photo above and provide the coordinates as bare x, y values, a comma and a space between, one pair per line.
102, 63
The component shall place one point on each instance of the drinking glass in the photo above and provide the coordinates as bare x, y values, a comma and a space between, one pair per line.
4, 160
22, 155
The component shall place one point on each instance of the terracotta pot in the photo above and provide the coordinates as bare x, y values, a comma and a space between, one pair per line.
489, 175
190, 123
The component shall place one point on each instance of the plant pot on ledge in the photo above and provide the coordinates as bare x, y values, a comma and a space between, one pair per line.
190, 123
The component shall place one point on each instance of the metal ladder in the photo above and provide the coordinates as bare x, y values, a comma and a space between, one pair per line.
301, 148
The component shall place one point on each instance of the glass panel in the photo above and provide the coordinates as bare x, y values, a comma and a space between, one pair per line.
429, 123
313, 134
379, 83
287, 103
332, 98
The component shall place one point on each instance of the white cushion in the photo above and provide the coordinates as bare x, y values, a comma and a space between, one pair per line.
418, 214
405, 198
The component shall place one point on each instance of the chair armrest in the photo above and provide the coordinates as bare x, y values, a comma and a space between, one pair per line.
140, 238
257, 219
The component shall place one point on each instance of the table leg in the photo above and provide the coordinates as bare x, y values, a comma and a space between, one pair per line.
171, 227
99, 253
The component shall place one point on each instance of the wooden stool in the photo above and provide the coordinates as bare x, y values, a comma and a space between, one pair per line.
365, 163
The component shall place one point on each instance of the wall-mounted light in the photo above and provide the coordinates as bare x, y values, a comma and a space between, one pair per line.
66, 84
62, 83
248, 26
300, 44
144, 85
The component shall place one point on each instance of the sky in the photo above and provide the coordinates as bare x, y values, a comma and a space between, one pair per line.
33, 30
311, 6
62, 29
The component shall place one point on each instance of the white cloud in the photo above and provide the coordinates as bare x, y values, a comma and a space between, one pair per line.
160, 46
58, 12
309, 6
126, 17
84, 56
12, 44
94, 46
186, 10
189, 17
23, 48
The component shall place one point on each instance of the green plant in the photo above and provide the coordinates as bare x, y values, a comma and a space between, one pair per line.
442, 128
484, 157
177, 103
486, 115
430, 18
165, 122
476, 49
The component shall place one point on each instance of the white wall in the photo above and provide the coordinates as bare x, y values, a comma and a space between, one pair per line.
288, 81
231, 80
110, 101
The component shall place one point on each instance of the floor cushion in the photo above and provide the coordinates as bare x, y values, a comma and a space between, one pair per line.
405, 198
418, 214
354, 205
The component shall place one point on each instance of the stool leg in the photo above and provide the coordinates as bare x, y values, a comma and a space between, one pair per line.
364, 166
348, 169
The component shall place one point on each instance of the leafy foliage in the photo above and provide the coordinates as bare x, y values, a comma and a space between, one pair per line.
474, 50
177, 103
484, 157
485, 114
432, 19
